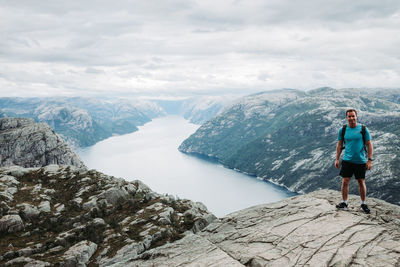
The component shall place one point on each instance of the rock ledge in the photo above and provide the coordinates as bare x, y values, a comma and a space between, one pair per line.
305, 230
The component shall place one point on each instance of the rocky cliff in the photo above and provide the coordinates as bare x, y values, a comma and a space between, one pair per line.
69, 216
305, 230
26, 143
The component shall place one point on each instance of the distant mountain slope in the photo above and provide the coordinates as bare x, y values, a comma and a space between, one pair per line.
195, 109
200, 109
289, 137
29, 144
83, 121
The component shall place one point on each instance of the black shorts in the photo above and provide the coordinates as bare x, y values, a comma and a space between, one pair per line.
348, 169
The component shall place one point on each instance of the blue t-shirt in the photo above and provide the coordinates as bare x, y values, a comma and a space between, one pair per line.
354, 146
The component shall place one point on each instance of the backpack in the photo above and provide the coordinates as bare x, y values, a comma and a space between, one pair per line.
362, 133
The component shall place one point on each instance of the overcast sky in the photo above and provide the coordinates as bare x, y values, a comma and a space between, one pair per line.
185, 47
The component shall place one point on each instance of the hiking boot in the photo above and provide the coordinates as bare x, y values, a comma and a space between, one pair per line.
365, 208
342, 206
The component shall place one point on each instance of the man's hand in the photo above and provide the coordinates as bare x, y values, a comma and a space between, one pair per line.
337, 164
369, 165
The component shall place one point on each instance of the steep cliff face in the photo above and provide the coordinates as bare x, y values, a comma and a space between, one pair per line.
305, 230
26, 143
289, 137
69, 216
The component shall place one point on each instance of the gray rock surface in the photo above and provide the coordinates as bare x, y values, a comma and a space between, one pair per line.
306, 230
29, 211
79, 254
11, 224
28, 144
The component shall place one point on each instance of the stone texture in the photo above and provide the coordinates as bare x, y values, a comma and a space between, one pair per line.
28, 144
27, 262
306, 230
79, 254
192, 250
113, 195
29, 211
11, 223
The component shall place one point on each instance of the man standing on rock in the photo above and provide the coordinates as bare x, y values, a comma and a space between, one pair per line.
356, 137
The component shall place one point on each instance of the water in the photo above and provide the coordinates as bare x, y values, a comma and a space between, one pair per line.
151, 155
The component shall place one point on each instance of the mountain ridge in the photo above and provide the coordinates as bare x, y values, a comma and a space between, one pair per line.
290, 139
82, 121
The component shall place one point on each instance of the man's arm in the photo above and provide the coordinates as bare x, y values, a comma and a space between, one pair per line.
338, 152
370, 154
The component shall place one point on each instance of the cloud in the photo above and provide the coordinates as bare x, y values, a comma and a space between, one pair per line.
196, 47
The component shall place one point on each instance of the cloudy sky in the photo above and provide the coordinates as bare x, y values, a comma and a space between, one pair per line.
185, 47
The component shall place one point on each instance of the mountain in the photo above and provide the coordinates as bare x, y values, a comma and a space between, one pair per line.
289, 137
305, 230
26, 143
69, 216
196, 109
199, 110
83, 121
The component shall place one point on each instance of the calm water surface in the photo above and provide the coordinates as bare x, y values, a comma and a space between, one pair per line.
151, 155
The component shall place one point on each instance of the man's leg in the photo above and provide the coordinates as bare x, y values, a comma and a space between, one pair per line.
362, 189
345, 187
345, 192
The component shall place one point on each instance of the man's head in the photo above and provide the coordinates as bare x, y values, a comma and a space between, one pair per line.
351, 116
351, 110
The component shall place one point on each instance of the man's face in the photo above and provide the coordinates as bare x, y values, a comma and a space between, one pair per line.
351, 118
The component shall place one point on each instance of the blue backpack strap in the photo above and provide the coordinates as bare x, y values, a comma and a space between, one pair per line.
343, 132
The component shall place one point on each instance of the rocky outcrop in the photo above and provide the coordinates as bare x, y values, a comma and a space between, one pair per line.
70, 216
26, 143
305, 230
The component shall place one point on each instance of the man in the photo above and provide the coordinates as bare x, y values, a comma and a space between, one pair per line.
354, 161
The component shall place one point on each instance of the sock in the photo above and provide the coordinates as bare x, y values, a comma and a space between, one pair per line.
345, 201
363, 202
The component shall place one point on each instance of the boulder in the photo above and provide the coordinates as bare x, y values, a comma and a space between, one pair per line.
29, 211
44, 206
79, 254
114, 195
11, 224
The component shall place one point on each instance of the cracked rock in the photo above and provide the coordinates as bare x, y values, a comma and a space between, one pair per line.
305, 230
